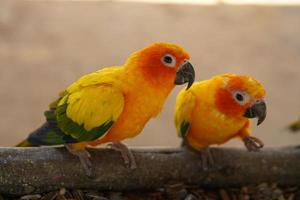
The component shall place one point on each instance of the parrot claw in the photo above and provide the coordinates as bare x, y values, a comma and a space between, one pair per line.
206, 158
84, 157
125, 152
253, 143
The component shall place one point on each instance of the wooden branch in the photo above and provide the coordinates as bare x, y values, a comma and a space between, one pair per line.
37, 170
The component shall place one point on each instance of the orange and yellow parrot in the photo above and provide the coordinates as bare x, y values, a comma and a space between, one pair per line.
114, 103
216, 110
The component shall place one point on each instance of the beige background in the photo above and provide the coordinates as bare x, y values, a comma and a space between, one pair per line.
45, 46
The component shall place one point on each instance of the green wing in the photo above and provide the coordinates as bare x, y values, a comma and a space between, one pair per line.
88, 113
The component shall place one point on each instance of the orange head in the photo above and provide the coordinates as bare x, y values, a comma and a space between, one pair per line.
241, 96
163, 64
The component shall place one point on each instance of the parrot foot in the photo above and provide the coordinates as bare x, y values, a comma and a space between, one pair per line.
84, 157
206, 158
125, 152
253, 143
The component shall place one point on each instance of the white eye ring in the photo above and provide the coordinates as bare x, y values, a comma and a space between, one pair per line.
241, 97
168, 60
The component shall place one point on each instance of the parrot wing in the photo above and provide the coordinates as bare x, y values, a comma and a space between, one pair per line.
106, 75
87, 113
83, 112
185, 103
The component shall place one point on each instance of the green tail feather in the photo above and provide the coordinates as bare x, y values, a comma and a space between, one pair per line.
25, 143
55, 130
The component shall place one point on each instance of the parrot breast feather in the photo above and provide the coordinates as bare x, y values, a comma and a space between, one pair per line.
88, 112
183, 111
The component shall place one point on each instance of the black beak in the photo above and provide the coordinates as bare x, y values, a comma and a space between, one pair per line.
185, 74
259, 110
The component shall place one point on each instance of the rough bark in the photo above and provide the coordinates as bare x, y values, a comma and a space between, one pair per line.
37, 170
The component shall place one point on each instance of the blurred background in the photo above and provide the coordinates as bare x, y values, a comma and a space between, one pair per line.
46, 45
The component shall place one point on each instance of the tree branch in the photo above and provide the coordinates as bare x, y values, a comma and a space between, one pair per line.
37, 170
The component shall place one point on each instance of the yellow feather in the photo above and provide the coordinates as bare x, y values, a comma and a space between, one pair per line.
95, 105
185, 103
106, 75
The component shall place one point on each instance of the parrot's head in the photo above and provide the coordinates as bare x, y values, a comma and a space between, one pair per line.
241, 96
164, 64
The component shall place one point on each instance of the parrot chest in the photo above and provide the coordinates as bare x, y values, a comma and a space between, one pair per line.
209, 126
139, 107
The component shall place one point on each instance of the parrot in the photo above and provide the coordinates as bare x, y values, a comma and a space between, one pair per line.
216, 110
114, 103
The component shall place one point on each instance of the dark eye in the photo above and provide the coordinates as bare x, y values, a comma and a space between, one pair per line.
168, 60
239, 97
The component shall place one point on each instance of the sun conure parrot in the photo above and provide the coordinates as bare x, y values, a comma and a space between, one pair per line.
114, 103
216, 110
